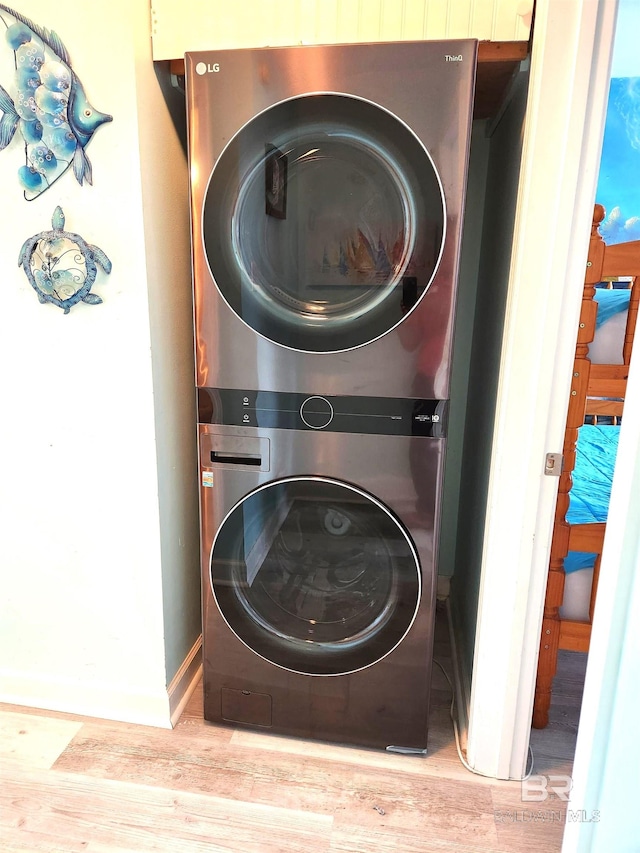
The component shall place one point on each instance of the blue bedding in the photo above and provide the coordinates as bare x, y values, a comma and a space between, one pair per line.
610, 302
596, 451
589, 497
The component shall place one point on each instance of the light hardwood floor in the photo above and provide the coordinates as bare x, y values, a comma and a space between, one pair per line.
77, 784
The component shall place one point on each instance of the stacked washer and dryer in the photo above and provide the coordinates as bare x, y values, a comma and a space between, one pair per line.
327, 188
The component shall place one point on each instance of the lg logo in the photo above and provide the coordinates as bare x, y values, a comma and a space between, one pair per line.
207, 68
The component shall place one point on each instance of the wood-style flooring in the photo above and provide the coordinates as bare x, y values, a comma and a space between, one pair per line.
72, 783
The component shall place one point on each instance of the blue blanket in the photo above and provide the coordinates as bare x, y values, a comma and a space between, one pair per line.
596, 451
589, 497
610, 302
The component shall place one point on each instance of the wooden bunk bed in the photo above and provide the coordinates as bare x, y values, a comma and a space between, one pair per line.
597, 393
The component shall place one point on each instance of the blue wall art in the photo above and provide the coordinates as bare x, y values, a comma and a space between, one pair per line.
619, 178
61, 266
51, 110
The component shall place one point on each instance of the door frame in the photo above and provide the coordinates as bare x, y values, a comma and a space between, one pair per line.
564, 125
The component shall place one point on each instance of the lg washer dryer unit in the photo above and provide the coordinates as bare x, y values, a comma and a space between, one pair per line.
327, 188
318, 554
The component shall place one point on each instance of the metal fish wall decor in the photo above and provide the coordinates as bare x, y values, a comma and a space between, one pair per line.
50, 110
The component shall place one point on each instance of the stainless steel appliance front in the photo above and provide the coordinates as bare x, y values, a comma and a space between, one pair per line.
319, 581
327, 188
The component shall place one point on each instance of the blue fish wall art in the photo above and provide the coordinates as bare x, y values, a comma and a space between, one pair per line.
50, 111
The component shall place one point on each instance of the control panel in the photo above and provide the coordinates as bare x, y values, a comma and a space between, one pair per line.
282, 410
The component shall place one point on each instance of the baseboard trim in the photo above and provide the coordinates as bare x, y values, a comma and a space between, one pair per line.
104, 700
185, 680
461, 678
107, 701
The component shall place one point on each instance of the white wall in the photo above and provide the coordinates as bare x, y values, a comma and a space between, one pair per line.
81, 614
165, 201
260, 23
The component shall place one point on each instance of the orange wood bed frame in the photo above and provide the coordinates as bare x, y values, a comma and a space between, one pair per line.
591, 386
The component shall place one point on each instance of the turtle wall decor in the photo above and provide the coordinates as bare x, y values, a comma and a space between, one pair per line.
62, 266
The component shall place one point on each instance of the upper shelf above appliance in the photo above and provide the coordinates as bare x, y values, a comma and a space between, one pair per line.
502, 26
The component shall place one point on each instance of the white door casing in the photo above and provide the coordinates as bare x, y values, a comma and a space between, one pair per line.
561, 149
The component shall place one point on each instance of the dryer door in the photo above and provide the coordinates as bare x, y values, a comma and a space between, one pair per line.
323, 222
315, 576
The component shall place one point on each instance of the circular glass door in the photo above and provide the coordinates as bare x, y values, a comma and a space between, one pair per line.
323, 222
315, 576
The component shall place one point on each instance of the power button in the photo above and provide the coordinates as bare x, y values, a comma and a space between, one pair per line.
316, 412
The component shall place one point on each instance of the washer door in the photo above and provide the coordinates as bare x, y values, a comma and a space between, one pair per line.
315, 576
323, 222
